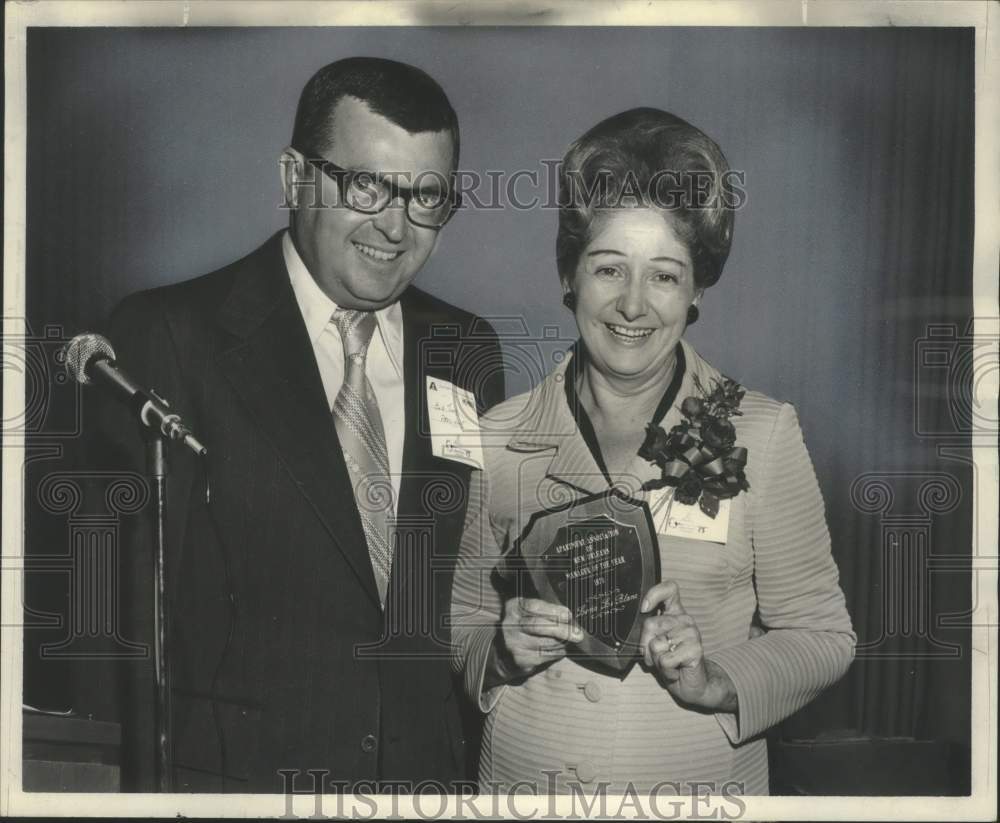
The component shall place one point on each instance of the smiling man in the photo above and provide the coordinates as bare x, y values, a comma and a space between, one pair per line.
307, 591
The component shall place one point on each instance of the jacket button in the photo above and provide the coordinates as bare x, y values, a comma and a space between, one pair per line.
592, 691
368, 743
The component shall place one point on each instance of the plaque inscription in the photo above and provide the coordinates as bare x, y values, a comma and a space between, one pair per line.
597, 557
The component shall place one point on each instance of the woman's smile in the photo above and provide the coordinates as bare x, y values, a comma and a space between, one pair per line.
628, 335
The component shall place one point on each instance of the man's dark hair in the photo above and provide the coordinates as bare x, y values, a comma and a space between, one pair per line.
404, 94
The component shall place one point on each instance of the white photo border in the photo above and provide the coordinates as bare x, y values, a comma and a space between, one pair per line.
981, 16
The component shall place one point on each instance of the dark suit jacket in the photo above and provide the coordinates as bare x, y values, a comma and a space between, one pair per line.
281, 657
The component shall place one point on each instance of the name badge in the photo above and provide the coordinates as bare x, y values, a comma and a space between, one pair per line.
680, 520
454, 423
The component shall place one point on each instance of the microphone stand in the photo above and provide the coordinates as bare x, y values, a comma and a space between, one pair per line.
156, 467
90, 357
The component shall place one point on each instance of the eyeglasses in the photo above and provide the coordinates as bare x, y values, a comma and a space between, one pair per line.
369, 192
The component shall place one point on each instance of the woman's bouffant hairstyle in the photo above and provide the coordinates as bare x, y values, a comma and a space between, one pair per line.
647, 157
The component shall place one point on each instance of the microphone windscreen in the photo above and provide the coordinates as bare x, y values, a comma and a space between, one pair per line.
82, 350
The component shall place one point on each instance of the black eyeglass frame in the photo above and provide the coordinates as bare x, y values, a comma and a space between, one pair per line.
342, 177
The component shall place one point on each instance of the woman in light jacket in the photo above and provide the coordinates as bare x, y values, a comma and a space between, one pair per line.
645, 227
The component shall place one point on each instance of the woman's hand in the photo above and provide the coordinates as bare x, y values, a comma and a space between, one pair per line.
671, 645
533, 633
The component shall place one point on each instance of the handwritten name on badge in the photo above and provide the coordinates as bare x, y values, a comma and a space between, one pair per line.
679, 520
454, 423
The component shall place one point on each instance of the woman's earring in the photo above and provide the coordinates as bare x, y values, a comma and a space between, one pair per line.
569, 300
693, 314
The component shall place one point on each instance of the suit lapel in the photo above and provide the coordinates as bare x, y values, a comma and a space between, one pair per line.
418, 456
554, 428
273, 369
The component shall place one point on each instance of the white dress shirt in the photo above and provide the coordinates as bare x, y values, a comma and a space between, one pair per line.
383, 365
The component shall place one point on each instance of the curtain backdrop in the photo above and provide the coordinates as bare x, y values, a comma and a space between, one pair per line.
153, 157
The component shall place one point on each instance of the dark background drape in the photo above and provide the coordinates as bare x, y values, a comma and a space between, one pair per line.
152, 157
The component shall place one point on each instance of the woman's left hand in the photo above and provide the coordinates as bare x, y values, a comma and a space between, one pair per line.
671, 646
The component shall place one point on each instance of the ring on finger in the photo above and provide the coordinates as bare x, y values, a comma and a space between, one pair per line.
671, 646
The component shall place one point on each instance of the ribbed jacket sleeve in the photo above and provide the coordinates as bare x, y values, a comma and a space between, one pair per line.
809, 642
476, 605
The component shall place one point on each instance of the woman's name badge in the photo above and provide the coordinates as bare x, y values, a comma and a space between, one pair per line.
454, 423
680, 520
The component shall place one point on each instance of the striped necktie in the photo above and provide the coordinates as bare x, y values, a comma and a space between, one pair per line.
362, 439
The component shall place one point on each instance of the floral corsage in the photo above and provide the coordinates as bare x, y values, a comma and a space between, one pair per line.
699, 457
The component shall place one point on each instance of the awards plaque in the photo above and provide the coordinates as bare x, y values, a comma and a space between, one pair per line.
598, 557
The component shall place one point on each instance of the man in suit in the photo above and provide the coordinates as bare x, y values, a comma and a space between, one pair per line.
309, 556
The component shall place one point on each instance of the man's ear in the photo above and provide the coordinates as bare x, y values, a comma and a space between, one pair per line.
291, 164
698, 294
437, 239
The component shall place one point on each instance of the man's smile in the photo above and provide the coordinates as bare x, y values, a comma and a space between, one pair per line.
376, 254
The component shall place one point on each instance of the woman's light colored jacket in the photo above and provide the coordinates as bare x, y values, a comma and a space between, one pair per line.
567, 723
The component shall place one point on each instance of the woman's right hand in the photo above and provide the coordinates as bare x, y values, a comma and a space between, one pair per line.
533, 633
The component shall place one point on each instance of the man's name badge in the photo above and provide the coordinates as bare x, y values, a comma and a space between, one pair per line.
454, 423
597, 556
680, 520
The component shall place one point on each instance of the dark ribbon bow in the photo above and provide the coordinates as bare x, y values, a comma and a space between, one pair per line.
698, 457
719, 476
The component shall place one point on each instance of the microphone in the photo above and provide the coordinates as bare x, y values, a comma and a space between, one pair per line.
90, 359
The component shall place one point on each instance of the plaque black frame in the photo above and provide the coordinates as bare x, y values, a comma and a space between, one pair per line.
539, 536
